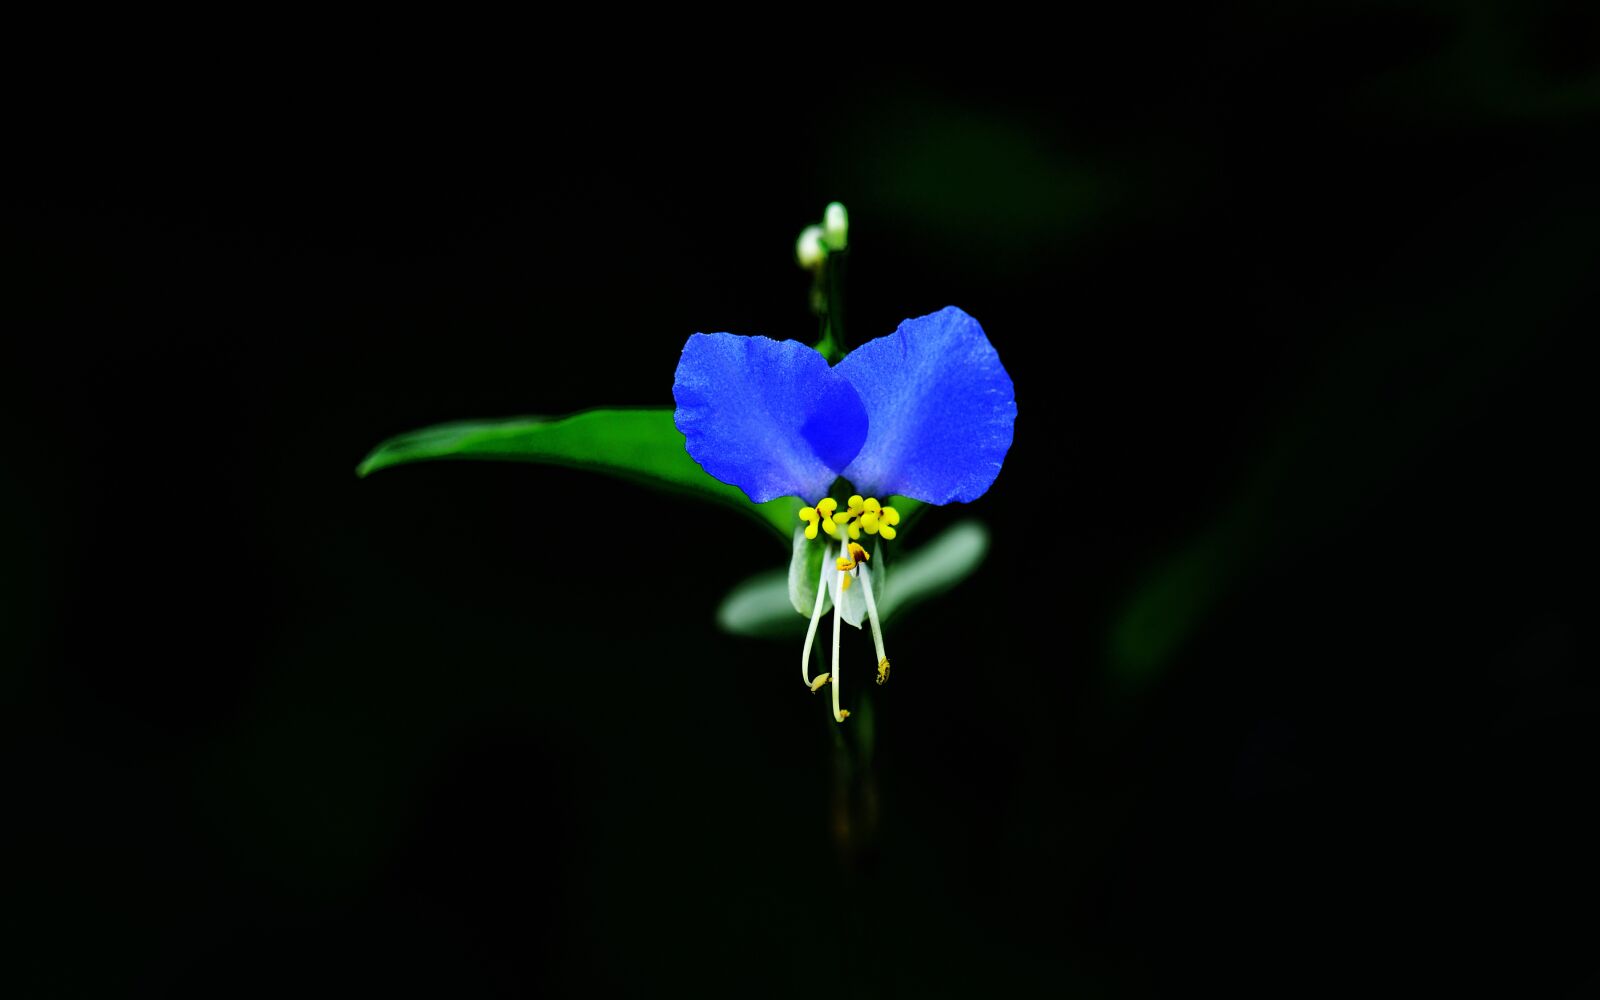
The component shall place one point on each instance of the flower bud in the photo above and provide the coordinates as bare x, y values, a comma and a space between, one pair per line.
836, 226
808, 249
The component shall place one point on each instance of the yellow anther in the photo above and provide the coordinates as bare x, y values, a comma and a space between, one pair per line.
845, 563
823, 516
844, 713
859, 515
857, 552
888, 517
822, 679
883, 671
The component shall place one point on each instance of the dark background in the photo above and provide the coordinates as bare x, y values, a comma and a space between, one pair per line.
1273, 681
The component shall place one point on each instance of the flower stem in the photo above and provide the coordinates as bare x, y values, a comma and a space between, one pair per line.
829, 293
833, 277
856, 806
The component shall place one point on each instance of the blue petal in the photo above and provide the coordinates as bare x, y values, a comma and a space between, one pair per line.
770, 418
939, 406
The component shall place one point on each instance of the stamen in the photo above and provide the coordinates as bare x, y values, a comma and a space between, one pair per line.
838, 715
870, 512
851, 515
859, 514
811, 630
872, 618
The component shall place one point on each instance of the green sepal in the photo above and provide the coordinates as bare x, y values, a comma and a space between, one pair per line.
805, 569
642, 445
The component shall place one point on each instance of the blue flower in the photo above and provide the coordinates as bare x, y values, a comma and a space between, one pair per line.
925, 413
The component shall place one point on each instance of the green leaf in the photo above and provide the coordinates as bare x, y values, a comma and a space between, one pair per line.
639, 444
761, 606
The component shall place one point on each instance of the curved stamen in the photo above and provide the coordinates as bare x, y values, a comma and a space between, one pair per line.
838, 714
811, 632
872, 618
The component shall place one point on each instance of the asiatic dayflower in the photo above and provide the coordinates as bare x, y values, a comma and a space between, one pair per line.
925, 412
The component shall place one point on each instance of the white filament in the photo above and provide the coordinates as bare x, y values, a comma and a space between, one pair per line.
811, 630
844, 552
872, 614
